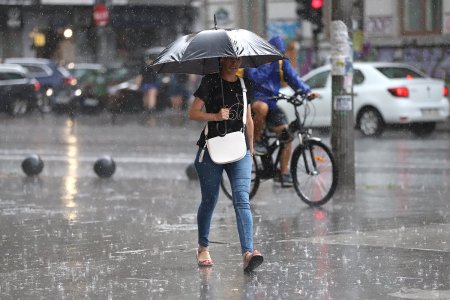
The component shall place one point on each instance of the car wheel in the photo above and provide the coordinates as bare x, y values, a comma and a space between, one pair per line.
423, 129
18, 107
370, 122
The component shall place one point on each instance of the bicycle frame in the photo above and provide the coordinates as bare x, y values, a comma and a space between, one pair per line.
308, 158
269, 166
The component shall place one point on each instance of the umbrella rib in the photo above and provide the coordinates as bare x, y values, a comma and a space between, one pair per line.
231, 43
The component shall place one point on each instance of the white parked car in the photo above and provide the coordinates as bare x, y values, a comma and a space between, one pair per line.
384, 93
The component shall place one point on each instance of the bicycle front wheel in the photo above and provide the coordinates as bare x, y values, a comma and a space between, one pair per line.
314, 173
255, 179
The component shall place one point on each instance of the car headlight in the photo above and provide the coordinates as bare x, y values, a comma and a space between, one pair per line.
78, 92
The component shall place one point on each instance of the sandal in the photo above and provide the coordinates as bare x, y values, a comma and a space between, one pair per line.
252, 260
204, 259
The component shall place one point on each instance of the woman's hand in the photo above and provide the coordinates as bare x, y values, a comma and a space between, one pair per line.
223, 114
196, 112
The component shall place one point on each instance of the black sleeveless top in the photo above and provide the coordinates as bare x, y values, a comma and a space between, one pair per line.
210, 92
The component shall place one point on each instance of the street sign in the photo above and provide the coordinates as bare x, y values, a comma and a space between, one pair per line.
14, 18
100, 14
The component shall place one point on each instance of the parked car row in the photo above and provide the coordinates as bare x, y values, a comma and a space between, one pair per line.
18, 91
383, 94
102, 86
58, 89
29, 83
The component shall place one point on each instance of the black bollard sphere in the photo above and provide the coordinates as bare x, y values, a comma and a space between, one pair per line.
191, 172
32, 165
105, 167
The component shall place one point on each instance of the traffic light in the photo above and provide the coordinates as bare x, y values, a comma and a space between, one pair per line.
303, 9
311, 10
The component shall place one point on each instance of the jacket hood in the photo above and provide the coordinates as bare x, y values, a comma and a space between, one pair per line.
278, 43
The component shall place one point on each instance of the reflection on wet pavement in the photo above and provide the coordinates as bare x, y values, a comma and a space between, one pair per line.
70, 235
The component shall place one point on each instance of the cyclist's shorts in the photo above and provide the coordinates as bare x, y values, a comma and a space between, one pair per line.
276, 117
147, 86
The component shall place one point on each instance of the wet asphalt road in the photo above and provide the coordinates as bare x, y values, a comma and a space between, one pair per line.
69, 235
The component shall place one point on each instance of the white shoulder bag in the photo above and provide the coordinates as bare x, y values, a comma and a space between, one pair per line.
230, 147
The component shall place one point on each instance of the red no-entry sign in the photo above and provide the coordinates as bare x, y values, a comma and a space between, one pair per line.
100, 14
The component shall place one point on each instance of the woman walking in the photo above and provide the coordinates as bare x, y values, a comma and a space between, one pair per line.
221, 95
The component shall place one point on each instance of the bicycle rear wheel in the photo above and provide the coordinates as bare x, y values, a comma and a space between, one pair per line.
314, 173
254, 185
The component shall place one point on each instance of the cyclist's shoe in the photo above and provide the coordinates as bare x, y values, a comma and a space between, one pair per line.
260, 148
286, 180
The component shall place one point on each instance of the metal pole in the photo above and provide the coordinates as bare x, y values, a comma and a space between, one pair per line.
342, 124
315, 49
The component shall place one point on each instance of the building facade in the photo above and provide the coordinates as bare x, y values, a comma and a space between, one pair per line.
67, 31
411, 31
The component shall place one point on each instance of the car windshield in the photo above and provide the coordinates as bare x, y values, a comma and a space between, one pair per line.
36, 71
79, 73
318, 81
399, 72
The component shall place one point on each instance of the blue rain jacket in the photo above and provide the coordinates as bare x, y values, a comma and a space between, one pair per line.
268, 79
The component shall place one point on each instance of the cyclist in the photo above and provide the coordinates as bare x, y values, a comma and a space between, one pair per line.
268, 79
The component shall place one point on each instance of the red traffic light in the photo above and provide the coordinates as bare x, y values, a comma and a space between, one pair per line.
316, 4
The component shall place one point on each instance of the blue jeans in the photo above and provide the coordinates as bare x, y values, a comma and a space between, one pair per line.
210, 175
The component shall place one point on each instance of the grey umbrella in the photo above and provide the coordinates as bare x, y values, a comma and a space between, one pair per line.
199, 53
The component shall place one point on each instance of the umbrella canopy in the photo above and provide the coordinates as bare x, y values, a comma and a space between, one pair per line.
199, 53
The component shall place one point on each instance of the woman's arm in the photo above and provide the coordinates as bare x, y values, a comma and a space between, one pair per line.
249, 129
196, 112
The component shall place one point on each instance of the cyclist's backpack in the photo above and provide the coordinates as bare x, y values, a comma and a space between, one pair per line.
280, 68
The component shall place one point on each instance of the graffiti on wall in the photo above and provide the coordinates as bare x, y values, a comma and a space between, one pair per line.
435, 61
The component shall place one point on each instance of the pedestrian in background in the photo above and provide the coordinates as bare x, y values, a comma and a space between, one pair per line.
148, 82
178, 91
210, 96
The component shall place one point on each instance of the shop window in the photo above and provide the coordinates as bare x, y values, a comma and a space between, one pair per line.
421, 16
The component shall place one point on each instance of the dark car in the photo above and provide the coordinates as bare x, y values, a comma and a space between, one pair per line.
92, 80
58, 86
126, 96
18, 92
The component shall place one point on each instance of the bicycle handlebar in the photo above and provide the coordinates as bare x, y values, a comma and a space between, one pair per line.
296, 99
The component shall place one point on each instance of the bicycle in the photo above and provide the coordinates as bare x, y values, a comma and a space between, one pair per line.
313, 168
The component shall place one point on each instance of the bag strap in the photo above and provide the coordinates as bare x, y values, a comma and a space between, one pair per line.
244, 98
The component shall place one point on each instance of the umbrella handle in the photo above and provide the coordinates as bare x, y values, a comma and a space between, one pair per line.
215, 22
